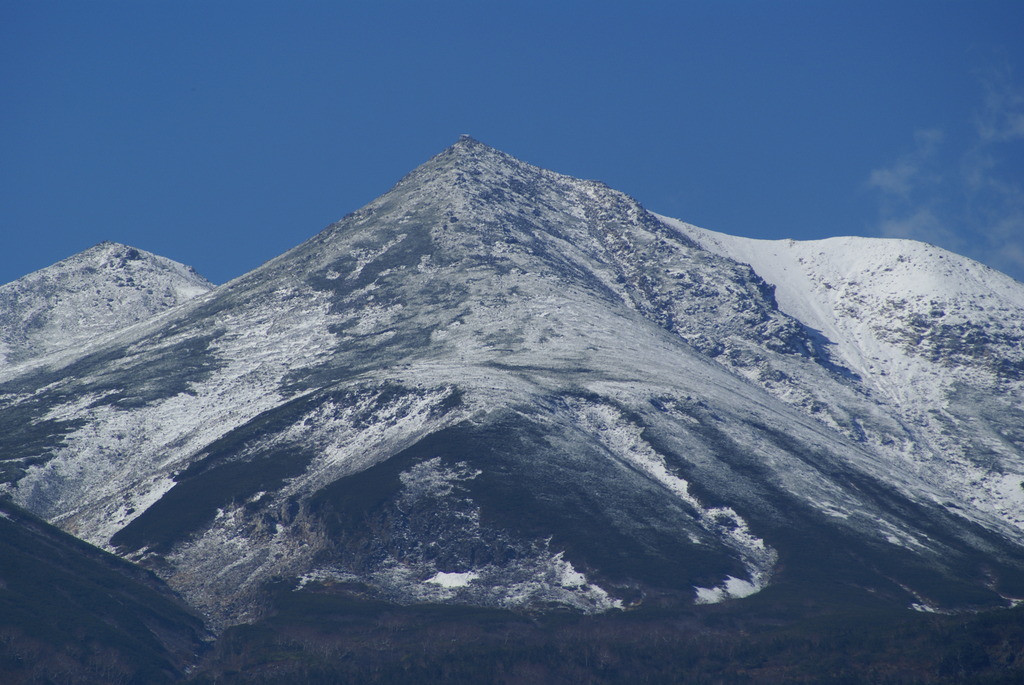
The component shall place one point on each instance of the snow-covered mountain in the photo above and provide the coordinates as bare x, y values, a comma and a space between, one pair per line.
102, 289
501, 386
935, 338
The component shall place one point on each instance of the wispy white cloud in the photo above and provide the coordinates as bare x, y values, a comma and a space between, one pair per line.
923, 224
1001, 118
912, 169
967, 197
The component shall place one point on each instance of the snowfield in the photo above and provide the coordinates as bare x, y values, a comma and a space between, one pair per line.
923, 329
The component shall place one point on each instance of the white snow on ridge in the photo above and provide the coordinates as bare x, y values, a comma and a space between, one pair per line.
851, 288
97, 291
918, 325
122, 451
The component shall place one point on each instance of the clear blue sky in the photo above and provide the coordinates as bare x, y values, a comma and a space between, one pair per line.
222, 133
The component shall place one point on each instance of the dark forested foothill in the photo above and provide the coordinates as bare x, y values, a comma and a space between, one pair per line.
329, 636
71, 613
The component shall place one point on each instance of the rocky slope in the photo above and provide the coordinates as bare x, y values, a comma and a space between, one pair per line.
500, 386
102, 289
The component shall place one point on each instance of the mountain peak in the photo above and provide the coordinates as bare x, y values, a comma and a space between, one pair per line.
98, 290
468, 142
468, 145
468, 149
108, 245
500, 385
110, 254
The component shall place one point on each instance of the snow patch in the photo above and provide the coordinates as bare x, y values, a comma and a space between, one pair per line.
625, 439
453, 579
732, 588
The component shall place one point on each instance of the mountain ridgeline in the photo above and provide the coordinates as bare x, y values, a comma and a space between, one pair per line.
103, 289
499, 387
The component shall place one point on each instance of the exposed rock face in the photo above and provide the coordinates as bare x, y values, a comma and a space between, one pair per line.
498, 385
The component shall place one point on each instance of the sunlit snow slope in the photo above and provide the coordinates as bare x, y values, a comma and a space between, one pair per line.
94, 292
501, 386
937, 338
